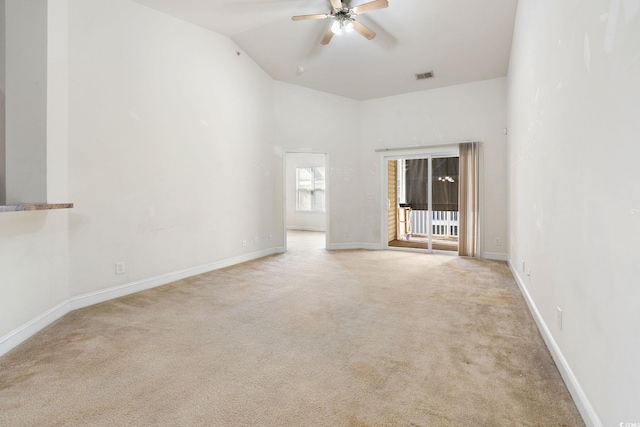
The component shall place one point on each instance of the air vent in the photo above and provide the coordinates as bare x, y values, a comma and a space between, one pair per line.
422, 76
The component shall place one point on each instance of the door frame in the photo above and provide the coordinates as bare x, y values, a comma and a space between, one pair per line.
327, 203
422, 153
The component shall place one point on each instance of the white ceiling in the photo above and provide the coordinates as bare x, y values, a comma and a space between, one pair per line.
460, 40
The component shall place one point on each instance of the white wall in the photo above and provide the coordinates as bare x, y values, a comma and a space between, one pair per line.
33, 267
26, 23
308, 120
3, 41
475, 111
171, 158
34, 255
574, 104
311, 221
57, 107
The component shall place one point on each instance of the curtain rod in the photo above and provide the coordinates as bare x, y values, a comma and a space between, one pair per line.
417, 147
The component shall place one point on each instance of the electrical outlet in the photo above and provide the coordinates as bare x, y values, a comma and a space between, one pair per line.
270, 237
256, 241
120, 267
559, 318
497, 241
244, 243
346, 234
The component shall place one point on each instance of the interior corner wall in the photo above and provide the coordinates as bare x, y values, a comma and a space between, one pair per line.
574, 104
309, 120
310, 221
171, 159
475, 112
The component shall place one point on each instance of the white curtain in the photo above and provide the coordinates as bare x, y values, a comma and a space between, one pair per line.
468, 199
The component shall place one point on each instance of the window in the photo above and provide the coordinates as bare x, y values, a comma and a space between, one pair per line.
310, 189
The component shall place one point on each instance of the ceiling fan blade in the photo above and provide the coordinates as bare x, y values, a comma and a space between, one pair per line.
370, 7
336, 4
308, 17
363, 30
327, 37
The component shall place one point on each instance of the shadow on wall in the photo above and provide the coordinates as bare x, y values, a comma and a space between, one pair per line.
15, 225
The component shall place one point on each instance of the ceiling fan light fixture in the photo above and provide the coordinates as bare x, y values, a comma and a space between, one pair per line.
348, 26
336, 28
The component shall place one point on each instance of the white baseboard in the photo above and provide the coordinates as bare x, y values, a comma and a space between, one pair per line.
583, 404
14, 338
301, 228
348, 246
495, 256
371, 246
11, 340
92, 298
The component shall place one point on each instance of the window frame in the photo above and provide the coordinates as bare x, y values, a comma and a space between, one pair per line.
312, 190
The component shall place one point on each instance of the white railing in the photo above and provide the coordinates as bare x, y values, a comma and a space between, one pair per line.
444, 223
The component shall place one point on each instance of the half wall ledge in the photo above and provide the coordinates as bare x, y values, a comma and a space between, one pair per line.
35, 207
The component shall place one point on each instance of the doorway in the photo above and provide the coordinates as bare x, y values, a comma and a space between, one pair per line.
422, 202
306, 196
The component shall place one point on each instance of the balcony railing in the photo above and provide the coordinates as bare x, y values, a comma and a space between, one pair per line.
444, 223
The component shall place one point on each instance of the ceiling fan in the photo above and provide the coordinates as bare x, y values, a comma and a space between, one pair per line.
343, 18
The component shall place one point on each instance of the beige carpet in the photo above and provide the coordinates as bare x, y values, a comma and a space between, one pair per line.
307, 338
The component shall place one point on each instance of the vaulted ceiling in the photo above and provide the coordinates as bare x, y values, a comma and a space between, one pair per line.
461, 41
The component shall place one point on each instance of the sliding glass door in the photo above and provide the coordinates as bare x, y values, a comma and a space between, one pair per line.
445, 179
422, 202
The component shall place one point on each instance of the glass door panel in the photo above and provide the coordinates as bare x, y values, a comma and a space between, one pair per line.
408, 195
444, 212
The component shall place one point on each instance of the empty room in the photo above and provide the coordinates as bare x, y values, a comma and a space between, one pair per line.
320, 213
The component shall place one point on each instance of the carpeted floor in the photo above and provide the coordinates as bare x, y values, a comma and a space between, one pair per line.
307, 338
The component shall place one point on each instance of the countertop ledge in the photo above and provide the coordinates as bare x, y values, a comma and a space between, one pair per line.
35, 207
